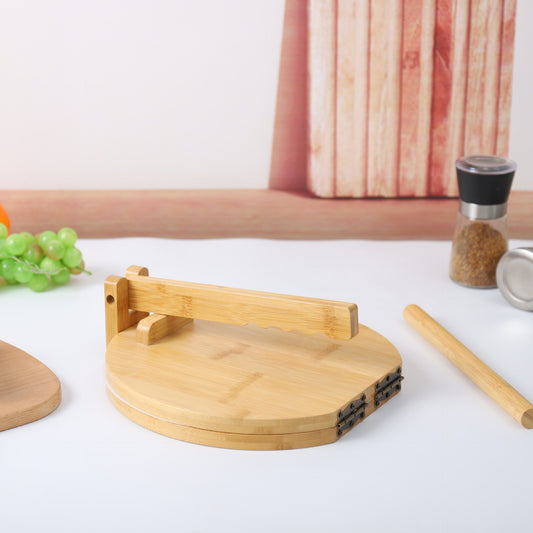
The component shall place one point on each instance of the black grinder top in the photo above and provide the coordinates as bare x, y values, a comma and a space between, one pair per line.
485, 179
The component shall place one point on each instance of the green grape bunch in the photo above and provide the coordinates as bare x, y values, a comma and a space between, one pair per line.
39, 261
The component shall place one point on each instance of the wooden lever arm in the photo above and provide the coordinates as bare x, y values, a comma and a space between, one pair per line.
238, 306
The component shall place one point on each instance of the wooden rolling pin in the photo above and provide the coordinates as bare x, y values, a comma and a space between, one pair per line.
482, 375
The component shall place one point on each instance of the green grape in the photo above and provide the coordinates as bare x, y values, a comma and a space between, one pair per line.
7, 269
38, 282
28, 237
45, 237
22, 274
62, 277
15, 244
50, 265
72, 257
34, 254
67, 236
39, 260
54, 249
78, 269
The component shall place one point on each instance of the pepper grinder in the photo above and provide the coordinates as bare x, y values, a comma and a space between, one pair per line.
480, 238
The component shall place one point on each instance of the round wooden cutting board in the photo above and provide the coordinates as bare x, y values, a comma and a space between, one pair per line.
28, 389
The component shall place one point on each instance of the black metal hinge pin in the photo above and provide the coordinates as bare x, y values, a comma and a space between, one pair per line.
348, 417
388, 386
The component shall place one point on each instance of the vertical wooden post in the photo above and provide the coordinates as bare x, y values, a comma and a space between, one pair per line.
117, 316
136, 316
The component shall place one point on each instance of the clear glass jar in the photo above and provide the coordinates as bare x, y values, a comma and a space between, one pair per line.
478, 245
481, 238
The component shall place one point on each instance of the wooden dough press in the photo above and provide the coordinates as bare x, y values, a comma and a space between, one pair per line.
241, 369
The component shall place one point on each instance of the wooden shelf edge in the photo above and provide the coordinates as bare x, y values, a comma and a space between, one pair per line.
258, 213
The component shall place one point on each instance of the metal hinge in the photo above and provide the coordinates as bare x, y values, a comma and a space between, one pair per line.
348, 417
387, 387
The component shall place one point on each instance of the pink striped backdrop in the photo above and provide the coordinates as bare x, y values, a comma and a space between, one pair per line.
398, 89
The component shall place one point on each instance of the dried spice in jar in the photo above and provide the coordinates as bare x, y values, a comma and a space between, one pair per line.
476, 250
480, 238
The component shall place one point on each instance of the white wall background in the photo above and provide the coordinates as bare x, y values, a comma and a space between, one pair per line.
137, 93
161, 93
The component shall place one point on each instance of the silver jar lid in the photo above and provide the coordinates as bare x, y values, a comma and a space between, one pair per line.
514, 277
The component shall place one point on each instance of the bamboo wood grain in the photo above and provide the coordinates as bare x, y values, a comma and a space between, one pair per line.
116, 308
155, 327
118, 315
237, 306
222, 439
135, 270
475, 369
29, 390
322, 18
245, 379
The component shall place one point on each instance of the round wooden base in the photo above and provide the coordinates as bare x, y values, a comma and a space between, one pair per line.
220, 439
246, 387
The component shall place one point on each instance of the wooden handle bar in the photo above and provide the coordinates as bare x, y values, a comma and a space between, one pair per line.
238, 306
482, 375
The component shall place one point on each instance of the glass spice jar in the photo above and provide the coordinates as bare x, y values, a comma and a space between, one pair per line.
480, 238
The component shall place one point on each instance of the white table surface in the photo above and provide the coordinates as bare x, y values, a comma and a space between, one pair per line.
441, 456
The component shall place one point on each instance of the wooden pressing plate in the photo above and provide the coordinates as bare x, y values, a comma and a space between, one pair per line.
240, 385
28, 389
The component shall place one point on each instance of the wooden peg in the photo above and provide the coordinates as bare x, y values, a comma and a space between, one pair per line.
135, 270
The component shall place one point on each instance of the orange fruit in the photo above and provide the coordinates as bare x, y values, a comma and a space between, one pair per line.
4, 219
